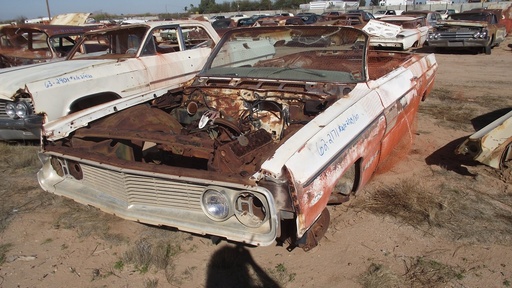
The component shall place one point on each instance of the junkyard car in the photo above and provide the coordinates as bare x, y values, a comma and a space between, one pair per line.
385, 13
491, 145
431, 17
397, 32
107, 64
474, 29
281, 121
37, 43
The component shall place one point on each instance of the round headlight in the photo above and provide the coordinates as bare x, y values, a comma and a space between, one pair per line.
483, 34
216, 205
10, 110
22, 109
476, 35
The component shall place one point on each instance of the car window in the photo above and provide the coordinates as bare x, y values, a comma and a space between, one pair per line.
164, 40
196, 37
115, 43
63, 44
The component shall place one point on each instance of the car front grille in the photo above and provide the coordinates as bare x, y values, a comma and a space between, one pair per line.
144, 190
3, 115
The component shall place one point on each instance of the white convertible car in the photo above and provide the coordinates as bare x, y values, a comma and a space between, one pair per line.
397, 32
281, 121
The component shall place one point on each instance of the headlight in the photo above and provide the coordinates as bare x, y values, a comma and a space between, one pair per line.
22, 109
10, 109
480, 34
216, 205
19, 109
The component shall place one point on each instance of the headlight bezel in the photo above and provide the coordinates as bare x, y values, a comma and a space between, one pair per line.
18, 109
254, 213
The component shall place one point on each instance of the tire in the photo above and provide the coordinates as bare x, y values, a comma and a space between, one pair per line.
488, 47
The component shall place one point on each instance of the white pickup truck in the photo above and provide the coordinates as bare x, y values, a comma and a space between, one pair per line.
138, 61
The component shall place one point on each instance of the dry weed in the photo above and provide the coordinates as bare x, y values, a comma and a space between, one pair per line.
158, 249
464, 211
15, 157
378, 276
87, 221
4, 248
422, 272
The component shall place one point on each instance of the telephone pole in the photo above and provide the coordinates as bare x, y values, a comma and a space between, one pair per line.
48, 9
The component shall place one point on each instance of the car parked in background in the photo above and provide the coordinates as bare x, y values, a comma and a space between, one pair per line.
431, 17
479, 29
223, 25
280, 21
24, 44
446, 12
107, 64
238, 16
364, 14
278, 124
310, 18
397, 32
383, 13
216, 17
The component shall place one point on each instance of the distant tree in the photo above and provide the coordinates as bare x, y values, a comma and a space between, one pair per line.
206, 6
265, 5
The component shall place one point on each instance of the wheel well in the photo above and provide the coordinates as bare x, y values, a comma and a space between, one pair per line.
357, 178
92, 100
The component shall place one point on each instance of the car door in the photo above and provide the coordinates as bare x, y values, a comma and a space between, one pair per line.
173, 54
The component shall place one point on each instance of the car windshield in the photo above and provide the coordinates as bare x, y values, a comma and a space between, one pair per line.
469, 16
301, 53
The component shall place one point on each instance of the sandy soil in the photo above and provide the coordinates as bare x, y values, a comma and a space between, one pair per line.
50, 246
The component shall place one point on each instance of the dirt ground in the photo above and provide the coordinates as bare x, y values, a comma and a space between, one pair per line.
49, 241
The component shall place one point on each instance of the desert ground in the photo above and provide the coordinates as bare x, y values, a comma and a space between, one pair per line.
435, 219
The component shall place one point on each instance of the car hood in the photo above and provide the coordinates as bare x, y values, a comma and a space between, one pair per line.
14, 78
466, 23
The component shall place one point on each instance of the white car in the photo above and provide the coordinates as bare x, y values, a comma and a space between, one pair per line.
281, 122
108, 64
386, 13
397, 32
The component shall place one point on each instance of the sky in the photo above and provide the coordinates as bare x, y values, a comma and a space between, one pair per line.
13, 9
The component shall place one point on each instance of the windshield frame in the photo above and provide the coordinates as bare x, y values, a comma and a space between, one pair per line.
266, 53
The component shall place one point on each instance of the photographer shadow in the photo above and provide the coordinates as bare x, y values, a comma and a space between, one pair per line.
233, 266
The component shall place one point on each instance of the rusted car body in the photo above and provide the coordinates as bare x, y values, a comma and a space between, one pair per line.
479, 29
279, 21
491, 145
397, 32
107, 64
355, 21
280, 122
37, 43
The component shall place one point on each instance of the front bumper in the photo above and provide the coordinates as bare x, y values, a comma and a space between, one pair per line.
153, 198
457, 43
21, 129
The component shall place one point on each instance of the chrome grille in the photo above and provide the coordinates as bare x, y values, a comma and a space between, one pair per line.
142, 190
457, 35
3, 115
